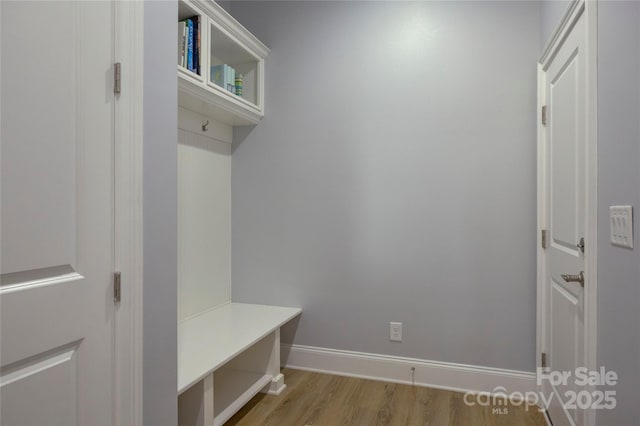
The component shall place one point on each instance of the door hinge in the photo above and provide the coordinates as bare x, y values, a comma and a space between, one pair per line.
543, 360
543, 238
116, 78
543, 115
117, 286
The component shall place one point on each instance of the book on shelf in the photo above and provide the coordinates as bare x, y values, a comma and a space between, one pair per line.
182, 37
198, 45
190, 49
239, 79
196, 40
224, 76
189, 36
230, 84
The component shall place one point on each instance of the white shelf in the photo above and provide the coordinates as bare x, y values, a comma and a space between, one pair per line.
208, 341
215, 102
233, 389
223, 41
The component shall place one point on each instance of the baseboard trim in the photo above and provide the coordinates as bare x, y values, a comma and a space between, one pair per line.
435, 374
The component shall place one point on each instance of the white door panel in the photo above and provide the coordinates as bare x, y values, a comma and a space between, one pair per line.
563, 344
563, 157
565, 93
566, 153
39, 65
28, 326
50, 380
57, 310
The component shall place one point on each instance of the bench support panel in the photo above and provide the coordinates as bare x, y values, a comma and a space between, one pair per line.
277, 382
207, 401
218, 396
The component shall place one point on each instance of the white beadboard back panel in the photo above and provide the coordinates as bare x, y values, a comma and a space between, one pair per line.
204, 215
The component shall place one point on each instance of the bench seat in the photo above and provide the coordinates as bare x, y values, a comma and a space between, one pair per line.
226, 356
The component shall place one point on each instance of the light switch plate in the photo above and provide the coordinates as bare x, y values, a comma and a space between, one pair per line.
395, 331
621, 224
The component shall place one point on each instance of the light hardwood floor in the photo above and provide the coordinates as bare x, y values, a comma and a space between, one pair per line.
323, 399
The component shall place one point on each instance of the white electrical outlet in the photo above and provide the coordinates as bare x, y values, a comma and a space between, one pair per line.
621, 224
395, 331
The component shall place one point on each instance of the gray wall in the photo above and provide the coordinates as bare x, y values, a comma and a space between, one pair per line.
393, 177
160, 223
551, 13
226, 4
619, 183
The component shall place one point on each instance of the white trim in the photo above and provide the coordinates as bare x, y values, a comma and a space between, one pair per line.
568, 21
276, 386
129, 43
213, 101
590, 10
233, 28
591, 199
541, 222
32, 284
434, 374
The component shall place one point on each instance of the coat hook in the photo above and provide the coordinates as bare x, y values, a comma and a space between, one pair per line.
205, 126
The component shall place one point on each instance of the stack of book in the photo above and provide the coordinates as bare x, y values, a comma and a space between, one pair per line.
189, 44
224, 76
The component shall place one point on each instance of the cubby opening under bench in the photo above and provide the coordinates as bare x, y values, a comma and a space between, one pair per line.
225, 357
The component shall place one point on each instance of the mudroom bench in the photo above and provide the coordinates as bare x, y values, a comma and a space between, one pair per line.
225, 357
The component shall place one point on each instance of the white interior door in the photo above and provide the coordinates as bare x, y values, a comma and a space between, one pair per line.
565, 93
56, 297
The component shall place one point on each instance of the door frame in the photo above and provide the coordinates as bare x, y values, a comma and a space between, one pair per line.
128, 247
588, 8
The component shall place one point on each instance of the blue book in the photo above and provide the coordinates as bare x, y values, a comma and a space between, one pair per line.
196, 47
190, 48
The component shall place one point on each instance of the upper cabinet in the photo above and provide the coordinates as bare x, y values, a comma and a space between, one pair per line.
220, 65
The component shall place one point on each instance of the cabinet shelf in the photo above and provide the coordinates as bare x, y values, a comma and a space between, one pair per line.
223, 43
